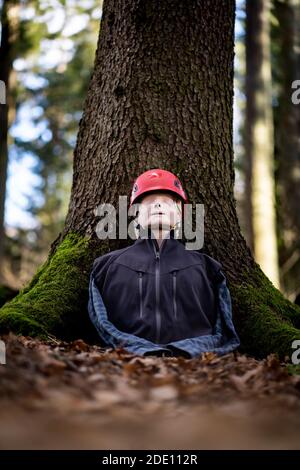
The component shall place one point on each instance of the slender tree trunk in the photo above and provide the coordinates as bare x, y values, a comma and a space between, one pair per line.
9, 28
5, 68
288, 142
259, 137
161, 95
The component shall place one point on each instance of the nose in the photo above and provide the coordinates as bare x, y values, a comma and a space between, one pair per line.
156, 204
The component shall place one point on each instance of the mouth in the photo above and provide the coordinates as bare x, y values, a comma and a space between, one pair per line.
157, 213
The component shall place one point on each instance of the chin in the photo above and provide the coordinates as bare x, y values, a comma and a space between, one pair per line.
160, 226
157, 222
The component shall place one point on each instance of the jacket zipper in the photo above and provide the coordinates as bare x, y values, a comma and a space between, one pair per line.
157, 311
141, 292
174, 295
157, 292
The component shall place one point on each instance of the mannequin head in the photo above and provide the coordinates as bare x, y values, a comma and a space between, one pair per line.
159, 210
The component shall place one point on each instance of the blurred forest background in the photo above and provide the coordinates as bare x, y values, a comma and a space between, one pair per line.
46, 58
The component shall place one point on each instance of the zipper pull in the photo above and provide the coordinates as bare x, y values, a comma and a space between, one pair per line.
156, 251
174, 295
141, 292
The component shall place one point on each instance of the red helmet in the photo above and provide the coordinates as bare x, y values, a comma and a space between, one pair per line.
155, 180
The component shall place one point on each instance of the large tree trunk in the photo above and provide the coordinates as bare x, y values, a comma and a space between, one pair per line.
161, 95
259, 138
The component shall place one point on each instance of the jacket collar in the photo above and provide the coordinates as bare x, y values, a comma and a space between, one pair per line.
149, 238
147, 233
174, 255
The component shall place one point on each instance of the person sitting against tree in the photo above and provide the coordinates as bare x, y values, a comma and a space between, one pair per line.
156, 297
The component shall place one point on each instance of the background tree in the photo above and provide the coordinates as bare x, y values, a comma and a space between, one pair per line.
286, 69
260, 185
161, 94
9, 39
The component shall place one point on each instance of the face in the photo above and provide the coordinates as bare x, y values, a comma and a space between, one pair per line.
159, 210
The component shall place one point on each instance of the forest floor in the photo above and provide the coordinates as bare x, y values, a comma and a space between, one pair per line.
59, 395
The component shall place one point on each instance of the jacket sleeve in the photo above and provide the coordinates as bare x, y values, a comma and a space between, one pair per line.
224, 338
109, 334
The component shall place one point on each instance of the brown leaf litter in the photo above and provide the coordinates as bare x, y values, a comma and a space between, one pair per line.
57, 394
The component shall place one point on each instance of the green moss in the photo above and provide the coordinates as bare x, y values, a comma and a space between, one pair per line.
21, 323
55, 301
285, 309
293, 369
266, 321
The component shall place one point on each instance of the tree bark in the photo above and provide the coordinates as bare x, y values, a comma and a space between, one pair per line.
161, 95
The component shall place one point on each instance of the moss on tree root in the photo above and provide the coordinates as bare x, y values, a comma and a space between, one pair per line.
55, 301
266, 321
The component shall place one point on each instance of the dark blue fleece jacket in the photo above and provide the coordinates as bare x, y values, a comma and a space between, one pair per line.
171, 300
